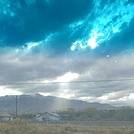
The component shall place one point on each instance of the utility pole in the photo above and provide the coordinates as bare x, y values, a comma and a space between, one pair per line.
16, 111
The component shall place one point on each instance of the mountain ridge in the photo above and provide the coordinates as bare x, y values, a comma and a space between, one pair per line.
32, 104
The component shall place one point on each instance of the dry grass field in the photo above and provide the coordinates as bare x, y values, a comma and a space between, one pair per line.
22, 127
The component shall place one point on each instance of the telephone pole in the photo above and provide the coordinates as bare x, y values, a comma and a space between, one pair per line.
16, 111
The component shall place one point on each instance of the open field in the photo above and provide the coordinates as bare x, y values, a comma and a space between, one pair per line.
89, 123
22, 127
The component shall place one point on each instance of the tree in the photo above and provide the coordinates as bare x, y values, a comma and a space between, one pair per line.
124, 113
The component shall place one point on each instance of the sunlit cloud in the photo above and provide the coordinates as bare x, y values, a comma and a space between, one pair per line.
7, 91
67, 77
32, 44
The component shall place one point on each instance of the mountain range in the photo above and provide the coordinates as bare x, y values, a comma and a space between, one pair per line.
33, 104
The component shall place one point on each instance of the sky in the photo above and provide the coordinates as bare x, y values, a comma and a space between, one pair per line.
75, 49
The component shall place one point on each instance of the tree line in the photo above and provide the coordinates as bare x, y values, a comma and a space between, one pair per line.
124, 113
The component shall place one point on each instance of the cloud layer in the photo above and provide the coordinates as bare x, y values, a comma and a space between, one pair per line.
103, 79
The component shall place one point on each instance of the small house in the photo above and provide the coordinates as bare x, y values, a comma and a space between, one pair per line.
5, 116
48, 116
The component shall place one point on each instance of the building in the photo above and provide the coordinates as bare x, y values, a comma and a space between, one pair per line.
48, 116
64, 117
5, 116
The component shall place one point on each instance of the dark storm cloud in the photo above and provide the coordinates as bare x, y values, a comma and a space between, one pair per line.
101, 88
34, 88
23, 69
32, 20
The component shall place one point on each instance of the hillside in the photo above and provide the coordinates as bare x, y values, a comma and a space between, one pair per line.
37, 104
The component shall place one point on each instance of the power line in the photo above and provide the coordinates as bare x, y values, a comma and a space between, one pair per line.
70, 82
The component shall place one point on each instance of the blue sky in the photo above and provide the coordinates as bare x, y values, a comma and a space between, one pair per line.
46, 41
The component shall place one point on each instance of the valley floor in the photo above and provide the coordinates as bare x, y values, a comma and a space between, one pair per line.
20, 127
